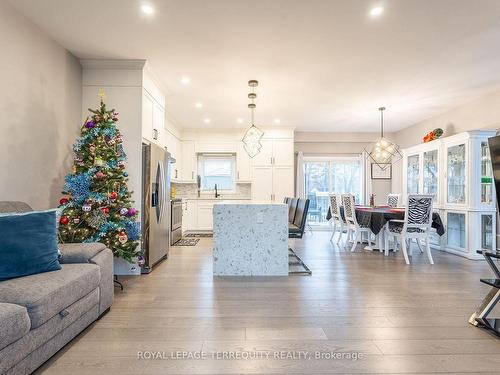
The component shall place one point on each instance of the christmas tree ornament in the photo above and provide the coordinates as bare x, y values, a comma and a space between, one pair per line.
119, 138
100, 175
114, 116
111, 141
132, 212
125, 174
86, 207
90, 124
140, 260
64, 220
105, 210
124, 211
76, 220
122, 237
96, 219
113, 195
121, 164
63, 201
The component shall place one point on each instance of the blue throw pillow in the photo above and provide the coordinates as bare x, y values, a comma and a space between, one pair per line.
28, 243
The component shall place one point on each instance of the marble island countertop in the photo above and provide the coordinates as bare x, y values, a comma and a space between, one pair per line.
212, 198
250, 238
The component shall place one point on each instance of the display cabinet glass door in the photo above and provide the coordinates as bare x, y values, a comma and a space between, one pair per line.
413, 174
430, 173
456, 174
487, 232
456, 230
486, 174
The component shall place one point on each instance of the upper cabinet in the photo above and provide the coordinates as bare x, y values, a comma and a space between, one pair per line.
243, 164
275, 152
189, 162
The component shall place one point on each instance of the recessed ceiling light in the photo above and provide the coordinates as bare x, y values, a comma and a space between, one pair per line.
147, 9
377, 11
239, 120
277, 120
206, 120
198, 105
185, 80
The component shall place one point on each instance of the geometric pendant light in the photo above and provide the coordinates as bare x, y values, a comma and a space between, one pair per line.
252, 137
384, 152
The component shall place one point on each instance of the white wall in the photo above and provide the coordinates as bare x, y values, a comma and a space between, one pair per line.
40, 102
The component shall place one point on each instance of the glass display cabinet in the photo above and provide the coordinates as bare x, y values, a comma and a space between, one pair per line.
457, 171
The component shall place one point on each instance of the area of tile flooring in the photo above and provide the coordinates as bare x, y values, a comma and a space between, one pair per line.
402, 319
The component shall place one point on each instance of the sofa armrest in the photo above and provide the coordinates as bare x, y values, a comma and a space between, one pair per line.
79, 252
100, 255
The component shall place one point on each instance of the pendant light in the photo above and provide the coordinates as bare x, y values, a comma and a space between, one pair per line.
384, 152
253, 135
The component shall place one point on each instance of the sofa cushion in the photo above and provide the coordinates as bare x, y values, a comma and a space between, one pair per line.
28, 243
14, 323
47, 294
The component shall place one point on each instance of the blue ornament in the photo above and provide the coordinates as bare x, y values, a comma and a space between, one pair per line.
125, 174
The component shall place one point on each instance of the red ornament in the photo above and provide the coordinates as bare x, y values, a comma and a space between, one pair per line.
100, 175
105, 210
64, 220
113, 195
63, 201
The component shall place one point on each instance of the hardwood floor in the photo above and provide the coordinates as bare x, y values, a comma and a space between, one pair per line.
402, 319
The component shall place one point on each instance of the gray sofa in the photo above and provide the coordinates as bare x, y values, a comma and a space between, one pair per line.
41, 313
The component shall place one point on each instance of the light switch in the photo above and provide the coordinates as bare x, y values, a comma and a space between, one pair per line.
260, 217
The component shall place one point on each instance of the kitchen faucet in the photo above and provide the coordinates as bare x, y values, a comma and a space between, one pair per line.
216, 194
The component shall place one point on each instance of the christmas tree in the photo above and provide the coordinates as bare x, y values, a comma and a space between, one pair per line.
97, 205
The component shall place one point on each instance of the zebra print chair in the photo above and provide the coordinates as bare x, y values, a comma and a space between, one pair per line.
353, 226
416, 225
393, 200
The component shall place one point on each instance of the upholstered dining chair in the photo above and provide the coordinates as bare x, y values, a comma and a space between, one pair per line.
393, 200
416, 225
337, 221
353, 227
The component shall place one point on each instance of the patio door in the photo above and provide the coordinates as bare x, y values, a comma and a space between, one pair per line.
325, 175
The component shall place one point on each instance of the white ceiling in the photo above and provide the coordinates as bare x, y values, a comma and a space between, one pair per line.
323, 65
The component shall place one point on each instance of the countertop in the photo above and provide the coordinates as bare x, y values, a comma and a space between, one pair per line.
212, 198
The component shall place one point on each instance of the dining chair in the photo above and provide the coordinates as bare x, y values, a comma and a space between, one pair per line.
393, 200
337, 219
416, 225
353, 227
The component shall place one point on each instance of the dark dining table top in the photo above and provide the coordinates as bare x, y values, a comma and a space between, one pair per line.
375, 218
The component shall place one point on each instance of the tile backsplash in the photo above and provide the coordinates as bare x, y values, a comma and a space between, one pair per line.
242, 190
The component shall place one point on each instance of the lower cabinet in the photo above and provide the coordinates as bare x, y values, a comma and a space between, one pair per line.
205, 218
189, 215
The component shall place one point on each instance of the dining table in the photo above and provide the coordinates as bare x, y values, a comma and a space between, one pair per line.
376, 217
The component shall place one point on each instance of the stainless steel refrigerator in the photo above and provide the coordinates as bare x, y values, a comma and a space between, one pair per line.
156, 165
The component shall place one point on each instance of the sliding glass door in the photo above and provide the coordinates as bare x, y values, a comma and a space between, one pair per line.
325, 175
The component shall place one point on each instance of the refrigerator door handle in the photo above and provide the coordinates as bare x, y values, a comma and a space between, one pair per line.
162, 192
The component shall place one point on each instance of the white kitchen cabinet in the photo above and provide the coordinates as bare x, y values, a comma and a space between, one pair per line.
282, 182
262, 183
174, 147
265, 156
158, 122
205, 215
189, 162
283, 152
243, 164
189, 215
147, 116
457, 171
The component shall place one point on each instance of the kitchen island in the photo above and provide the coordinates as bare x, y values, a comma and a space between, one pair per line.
250, 238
